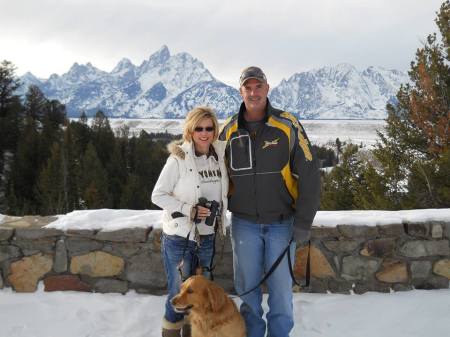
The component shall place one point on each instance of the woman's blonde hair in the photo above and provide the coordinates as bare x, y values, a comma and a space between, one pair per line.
194, 117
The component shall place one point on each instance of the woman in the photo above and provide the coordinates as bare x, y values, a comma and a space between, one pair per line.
195, 169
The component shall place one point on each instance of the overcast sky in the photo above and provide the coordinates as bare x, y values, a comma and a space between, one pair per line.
281, 36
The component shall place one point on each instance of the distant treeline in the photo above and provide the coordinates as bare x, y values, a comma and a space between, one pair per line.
52, 166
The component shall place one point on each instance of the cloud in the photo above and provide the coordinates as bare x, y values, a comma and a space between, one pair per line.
283, 36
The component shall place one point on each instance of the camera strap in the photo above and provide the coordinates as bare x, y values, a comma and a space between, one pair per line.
211, 263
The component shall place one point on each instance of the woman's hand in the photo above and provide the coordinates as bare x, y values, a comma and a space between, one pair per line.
202, 212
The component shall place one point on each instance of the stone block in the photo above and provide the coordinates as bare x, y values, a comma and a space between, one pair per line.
29, 221
105, 285
226, 283
9, 252
420, 230
79, 246
324, 232
437, 231
81, 233
154, 239
420, 269
25, 274
359, 268
97, 264
337, 263
434, 282
446, 229
421, 248
442, 268
402, 287
32, 247
146, 270
379, 248
64, 283
352, 231
393, 272
123, 249
223, 244
343, 246
361, 288
124, 235
318, 286
224, 265
395, 230
60, 263
6, 233
36, 233
320, 266
339, 286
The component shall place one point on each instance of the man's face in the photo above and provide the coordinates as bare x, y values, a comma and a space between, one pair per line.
254, 93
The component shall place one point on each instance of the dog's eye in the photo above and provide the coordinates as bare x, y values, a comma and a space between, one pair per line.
189, 290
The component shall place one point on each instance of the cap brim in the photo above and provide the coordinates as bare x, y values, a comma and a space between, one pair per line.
254, 78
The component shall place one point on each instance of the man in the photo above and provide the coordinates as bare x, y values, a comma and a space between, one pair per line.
274, 196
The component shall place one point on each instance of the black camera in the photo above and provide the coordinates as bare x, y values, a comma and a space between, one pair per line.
214, 208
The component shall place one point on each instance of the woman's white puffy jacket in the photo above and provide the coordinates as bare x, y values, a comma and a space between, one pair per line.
178, 189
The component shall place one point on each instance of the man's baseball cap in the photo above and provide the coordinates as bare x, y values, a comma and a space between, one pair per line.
252, 72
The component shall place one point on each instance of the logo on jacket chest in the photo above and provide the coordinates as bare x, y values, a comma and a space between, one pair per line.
270, 143
209, 175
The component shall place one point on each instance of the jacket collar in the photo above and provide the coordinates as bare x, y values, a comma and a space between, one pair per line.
241, 120
219, 147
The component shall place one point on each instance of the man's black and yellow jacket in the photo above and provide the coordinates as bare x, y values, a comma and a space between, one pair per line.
274, 173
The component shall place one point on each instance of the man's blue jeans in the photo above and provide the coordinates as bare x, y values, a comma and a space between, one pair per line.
255, 249
172, 247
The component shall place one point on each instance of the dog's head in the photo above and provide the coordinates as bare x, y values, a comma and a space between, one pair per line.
199, 294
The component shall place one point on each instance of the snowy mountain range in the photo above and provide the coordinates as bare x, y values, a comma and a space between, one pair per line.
168, 86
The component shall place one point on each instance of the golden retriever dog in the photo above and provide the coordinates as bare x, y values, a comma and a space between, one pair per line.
210, 311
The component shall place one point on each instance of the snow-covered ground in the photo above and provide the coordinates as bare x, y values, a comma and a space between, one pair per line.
320, 132
417, 313
114, 219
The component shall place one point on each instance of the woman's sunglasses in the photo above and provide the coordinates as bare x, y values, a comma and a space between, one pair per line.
200, 129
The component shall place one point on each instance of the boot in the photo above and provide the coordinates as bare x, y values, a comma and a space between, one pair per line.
170, 329
186, 330
171, 332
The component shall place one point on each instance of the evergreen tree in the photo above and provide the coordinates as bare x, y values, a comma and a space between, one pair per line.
135, 195
83, 118
117, 170
24, 172
94, 183
35, 103
81, 136
10, 124
340, 186
414, 146
72, 172
8, 85
102, 137
52, 191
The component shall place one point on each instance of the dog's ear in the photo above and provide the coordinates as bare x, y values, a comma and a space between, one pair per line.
216, 297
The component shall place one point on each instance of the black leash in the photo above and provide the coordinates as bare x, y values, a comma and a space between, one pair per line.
211, 266
180, 265
266, 275
291, 271
308, 269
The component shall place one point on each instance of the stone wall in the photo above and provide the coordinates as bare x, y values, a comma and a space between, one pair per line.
343, 258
